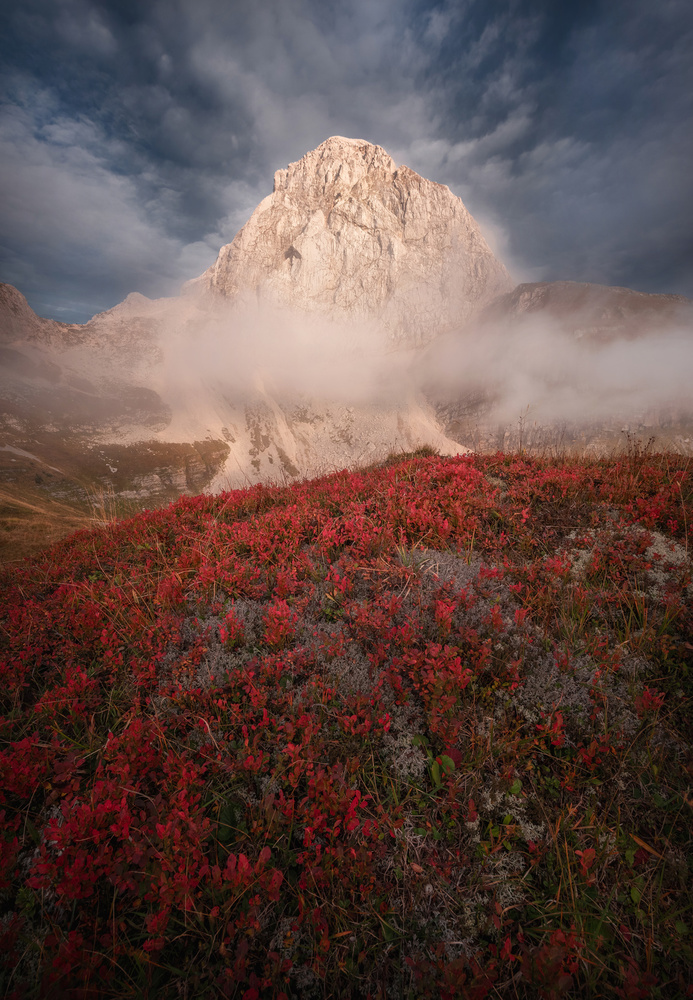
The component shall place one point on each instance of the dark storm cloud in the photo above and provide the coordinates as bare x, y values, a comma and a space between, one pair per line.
137, 138
573, 133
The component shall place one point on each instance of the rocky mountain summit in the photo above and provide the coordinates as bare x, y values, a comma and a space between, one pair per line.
348, 234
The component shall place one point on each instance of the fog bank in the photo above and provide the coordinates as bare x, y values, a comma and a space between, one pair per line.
563, 376
533, 361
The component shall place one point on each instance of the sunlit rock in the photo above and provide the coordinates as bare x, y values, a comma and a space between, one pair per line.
349, 234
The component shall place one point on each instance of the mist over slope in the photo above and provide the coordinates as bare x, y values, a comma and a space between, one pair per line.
359, 311
568, 356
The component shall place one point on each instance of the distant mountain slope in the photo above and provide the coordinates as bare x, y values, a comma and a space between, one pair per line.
379, 257
595, 311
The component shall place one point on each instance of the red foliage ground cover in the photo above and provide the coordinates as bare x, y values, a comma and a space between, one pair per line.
416, 731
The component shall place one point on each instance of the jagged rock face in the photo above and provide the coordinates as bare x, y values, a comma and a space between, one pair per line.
274, 364
346, 232
19, 322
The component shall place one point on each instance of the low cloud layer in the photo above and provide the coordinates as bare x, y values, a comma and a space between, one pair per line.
535, 370
135, 140
249, 349
531, 369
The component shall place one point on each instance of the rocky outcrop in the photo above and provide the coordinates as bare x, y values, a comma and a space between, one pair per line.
347, 233
19, 322
388, 257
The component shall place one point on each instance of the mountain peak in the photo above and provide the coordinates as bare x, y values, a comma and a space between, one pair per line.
334, 167
347, 233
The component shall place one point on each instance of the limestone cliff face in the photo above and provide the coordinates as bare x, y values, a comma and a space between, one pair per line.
18, 321
347, 233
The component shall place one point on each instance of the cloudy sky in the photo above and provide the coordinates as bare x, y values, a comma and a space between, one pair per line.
136, 138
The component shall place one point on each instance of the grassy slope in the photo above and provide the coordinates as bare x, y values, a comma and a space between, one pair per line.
30, 520
71, 485
417, 731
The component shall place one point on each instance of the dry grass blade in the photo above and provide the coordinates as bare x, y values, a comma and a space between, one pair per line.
31, 520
